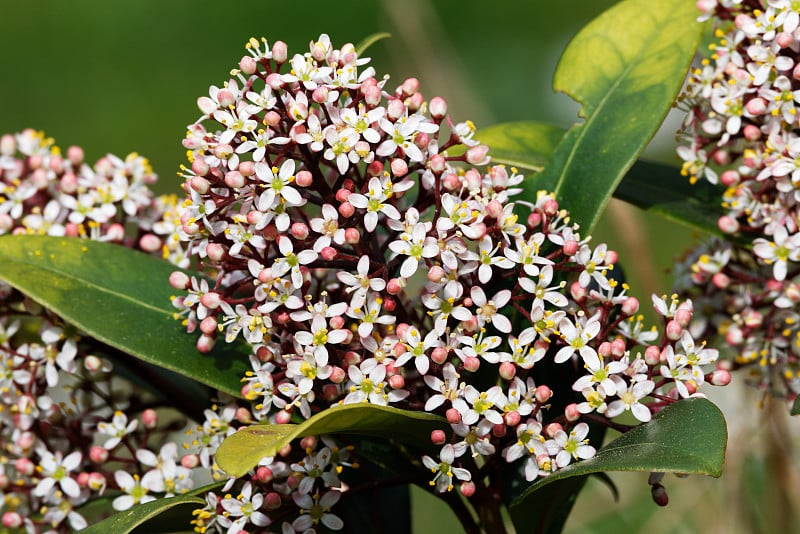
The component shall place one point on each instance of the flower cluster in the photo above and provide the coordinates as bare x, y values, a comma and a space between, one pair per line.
362, 247
741, 131
67, 431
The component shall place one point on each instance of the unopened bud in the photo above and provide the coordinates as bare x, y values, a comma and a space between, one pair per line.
437, 107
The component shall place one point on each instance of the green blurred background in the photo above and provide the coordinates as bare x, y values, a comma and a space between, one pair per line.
124, 76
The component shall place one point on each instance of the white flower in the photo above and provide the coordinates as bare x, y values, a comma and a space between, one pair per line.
444, 469
56, 470
629, 400
135, 490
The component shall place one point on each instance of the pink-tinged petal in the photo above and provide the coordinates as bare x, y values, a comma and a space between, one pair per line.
641, 412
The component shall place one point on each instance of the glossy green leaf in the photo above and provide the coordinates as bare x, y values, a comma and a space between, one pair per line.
127, 521
241, 451
625, 68
370, 40
525, 144
686, 437
661, 189
796, 406
120, 297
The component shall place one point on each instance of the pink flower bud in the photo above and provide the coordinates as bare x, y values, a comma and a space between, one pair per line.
346, 210
264, 474
437, 107
395, 109
234, 179
472, 364
478, 155
437, 163
720, 280
98, 454
784, 40
543, 394
397, 382
756, 106
25, 440
24, 466
12, 520
453, 416
722, 157
436, 274
618, 348
211, 300
225, 98
280, 51
507, 370
308, 442
149, 418
728, 224
83, 479
283, 417
190, 461
320, 95
299, 231
451, 182
422, 139
652, 355
439, 355
753, 319
272, 500
337, 375
611, 257
304, 179
734, 336
499, 430
438, 437
729, 178
774, 285
247, 65
352, 236
199, 184
604, 349
570, 247
534, 219
208, 326
752, 132
551, 429
630, 306
719, 377
577, 291
683, 317
270, 232
92, 363
372, 95
395, 286
399, 167
179, 280
96, 482
389, 304
550, 207
571, 412
115, 233
68, 183
75, 155
205, 343
674, 330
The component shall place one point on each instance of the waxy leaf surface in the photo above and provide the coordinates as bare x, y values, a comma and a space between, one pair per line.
241, 451
120, 297
688, 437
625, 68
525, 144
126, 521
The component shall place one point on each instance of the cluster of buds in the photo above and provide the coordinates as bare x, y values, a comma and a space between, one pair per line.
362, 246
67, 432
741, 131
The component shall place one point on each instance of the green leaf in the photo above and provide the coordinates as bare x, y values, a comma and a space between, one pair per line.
370, 40
796, 406
241, 451
661, 189
120, 297
688, 437
625, 68
125, 522
525, 144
